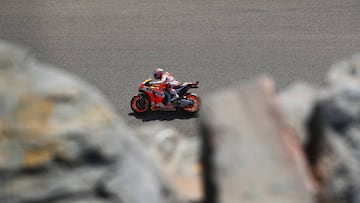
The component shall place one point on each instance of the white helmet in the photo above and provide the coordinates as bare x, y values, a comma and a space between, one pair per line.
158, 73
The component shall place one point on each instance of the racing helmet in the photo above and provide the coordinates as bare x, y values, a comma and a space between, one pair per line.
158, 73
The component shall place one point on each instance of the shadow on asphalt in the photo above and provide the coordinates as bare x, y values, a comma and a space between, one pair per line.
163, 115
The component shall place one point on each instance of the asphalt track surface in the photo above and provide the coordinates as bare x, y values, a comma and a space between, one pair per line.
116, 44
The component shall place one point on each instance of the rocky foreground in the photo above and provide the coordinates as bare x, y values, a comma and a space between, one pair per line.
61, 141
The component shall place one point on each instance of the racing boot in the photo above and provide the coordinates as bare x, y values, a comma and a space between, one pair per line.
174, 96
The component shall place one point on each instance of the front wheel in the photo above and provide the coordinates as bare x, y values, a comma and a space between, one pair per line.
140, 103
195, 107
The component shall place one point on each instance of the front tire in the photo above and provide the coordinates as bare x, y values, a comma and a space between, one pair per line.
140, 103
195, 107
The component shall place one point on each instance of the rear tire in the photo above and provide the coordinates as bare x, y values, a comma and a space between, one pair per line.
140, 104
195, 108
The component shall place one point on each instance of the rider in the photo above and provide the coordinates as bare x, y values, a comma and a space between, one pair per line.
164, 77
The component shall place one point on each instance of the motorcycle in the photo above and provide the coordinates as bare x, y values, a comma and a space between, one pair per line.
157, 98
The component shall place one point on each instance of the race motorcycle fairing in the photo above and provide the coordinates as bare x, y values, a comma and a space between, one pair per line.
156, 97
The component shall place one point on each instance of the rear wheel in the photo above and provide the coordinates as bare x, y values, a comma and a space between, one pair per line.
195, 107
140, 103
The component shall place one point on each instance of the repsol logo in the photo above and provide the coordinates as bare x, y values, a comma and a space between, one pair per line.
159, 94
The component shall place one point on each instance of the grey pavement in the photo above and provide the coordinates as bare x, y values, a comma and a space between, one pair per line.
116, 44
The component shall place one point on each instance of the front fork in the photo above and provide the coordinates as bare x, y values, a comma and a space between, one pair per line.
141, 101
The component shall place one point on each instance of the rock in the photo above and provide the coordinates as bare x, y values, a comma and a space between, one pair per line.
296, 103
249, 154
333, 148
61, 140
178, 155
345, 74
